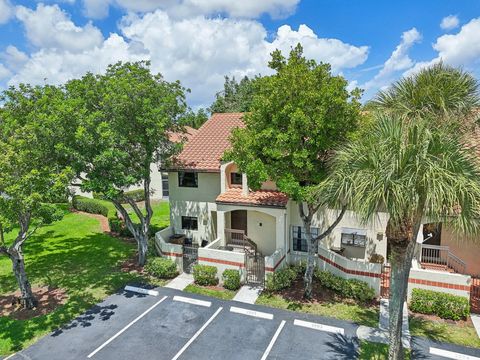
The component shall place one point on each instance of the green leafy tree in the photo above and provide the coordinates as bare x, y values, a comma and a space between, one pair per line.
298, 116
124, 118
32, 170
194, 119
412, 163
235, 97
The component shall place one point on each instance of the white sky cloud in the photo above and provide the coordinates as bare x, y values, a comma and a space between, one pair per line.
49, 27
6, 11
198, 51
399, 60
450, 22
189, 8
4, 72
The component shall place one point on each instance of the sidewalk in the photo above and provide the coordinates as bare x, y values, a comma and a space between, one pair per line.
180, 282
248, 294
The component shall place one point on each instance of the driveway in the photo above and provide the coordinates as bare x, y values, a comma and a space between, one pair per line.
178, 325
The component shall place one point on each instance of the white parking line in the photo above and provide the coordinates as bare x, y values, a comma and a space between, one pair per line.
248, 312
141, 290
126, 327
320, 327
272, 342
452, 355
192, 301
197, 334
10, 356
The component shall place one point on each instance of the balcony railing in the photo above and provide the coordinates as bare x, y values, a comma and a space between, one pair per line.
442, 257
237, 238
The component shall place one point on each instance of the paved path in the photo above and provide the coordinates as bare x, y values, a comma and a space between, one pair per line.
248, 294
476, 322
180, 282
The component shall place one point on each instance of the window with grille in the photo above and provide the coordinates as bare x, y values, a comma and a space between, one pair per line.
352, 238
189, 223
188, 179
299, 238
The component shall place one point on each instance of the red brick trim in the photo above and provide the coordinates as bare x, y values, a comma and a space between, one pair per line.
276, 265
219, 261
172, 254
439, 284
348, 271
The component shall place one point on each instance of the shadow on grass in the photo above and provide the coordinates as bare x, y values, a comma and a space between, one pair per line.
343, 347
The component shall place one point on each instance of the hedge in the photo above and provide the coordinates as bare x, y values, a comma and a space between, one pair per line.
91, 206
446, 306
161, 268
281, 279
231, 279
347, 288
205, 275
135, 195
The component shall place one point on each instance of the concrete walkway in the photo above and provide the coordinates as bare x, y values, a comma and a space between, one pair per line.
476, 322
180, 282
248, 294
380, 334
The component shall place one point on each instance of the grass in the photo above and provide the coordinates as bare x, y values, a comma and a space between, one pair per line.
444, 331
374, 351
72, 254
223, 294
359, 314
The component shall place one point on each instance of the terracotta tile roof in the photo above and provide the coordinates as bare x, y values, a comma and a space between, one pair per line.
179, 137
254, 198
205, 150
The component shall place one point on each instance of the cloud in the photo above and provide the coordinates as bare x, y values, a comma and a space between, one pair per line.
4, 72
399, 60
450, 22
6, 11
14, 58
191, 8
198, 51
49, 27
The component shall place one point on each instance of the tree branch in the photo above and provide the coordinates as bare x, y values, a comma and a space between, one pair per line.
125, 216
334, 224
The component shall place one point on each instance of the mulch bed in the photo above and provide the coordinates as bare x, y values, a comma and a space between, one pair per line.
48, 300
320, 294
131, 265
461, 323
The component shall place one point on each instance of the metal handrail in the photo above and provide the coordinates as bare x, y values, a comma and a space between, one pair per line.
238, 237
441, 255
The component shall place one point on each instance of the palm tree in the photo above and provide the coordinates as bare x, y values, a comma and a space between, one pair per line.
411, 164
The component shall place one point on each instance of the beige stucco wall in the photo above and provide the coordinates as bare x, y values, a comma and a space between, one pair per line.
261, 229
465, 247
376, 240
198, 202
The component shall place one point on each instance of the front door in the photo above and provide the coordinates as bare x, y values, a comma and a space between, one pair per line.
239, 220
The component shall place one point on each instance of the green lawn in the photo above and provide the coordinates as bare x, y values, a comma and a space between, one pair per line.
374, 351
360, 314
443, 331
75, 255
223, 294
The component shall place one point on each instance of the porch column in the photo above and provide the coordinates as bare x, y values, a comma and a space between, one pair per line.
221, 226
417, 257
245, 190
280, 232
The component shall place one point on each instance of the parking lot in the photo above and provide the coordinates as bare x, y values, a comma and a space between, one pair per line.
178, 325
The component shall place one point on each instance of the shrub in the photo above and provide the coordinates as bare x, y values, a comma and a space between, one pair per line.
91, 206
162, 268
231, 279
205, 275
118, 226
281, 279
135, 195
347, 288
377, 259
446, 306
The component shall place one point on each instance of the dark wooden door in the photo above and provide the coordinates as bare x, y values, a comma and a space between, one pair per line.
239, 220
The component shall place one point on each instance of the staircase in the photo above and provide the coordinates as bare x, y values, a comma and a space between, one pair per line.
436, 257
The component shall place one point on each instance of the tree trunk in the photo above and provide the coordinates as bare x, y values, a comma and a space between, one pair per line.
27, 299
402, 243
312, 247
142, 243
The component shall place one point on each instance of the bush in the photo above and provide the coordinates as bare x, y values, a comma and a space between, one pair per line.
205, 275
281, 279
118, 226
91, 206
446, 306
231, 279
347, 288
135, 195
162, 268
377, 259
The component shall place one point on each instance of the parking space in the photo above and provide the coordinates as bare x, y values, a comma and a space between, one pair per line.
174, 325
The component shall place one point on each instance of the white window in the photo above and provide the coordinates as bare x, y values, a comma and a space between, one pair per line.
354, 237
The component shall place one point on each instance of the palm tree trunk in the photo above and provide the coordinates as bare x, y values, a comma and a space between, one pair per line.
402, 242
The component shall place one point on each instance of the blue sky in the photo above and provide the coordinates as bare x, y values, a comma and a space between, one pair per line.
371, 43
